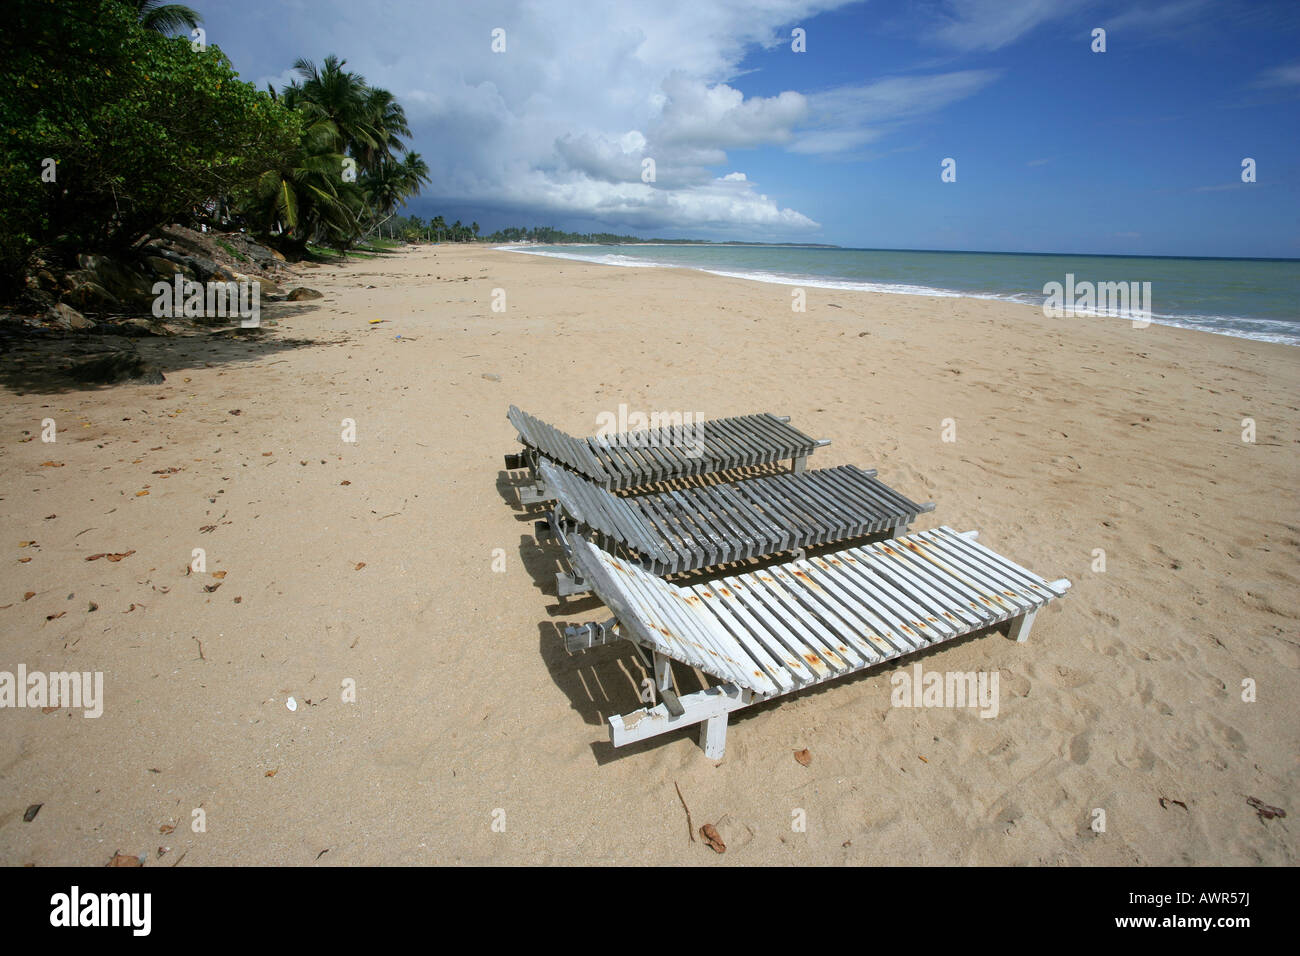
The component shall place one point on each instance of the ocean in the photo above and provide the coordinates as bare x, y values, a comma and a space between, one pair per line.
1247, 298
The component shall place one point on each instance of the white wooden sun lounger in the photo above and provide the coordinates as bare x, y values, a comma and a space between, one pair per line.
634, 459
691, 528
774, 631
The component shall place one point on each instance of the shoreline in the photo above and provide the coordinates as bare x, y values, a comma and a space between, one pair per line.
375, 561
1181, 321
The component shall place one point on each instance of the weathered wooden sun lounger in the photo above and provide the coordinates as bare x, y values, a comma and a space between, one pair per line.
691, 528
778, 630
633, 459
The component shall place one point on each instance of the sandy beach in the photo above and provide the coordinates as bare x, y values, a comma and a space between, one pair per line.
475, 739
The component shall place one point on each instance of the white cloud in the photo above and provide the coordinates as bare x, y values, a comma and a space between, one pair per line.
1287, 75
696, 114
1156, 17
850, 116
586, 91
993, 24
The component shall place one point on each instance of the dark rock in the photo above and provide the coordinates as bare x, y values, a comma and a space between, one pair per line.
66, 317
300, 293
89, 296
114, 367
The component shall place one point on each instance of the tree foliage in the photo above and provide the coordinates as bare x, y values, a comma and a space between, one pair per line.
141, 128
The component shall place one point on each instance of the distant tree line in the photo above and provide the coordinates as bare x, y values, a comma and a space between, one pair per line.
550, 234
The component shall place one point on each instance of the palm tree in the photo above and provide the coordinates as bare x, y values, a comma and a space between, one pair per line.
384, 122
474, 228
414, 174
164, 17
332, 93
305, 194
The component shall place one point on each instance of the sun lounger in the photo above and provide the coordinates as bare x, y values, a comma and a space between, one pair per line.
691, 528
778, 630
633, 459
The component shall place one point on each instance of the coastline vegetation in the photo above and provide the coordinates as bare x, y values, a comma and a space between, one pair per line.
115, 123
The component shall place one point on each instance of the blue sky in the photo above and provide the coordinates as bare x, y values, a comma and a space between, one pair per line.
1137, 150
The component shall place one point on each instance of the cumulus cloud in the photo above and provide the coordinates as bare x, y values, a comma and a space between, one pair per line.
563, 121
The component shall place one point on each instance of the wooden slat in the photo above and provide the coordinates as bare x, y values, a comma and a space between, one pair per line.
812, 620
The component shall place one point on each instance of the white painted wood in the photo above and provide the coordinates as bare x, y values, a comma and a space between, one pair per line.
776, 630
1020, 627
713, 736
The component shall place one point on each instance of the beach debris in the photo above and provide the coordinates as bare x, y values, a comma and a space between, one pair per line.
492, 376
690, 827
211, 587
167, 828
55, 617
1166, 801
271, 773
1265, 811
111, 557
125, 859
376, 321
322, 853
92, 608
28, 595
291, 704
31, 812
360, 565
803, 757
163, 850
236, 411
709, 834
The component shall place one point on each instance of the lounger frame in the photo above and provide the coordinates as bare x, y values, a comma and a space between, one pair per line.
691, 528
635, 459
778, 630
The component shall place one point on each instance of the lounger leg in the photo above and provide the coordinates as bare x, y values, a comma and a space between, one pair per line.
532, 494
800, 464
1021, 625
663, 667
713, 736
900, 529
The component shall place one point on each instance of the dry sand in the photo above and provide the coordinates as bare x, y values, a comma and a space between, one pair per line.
1072, 435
